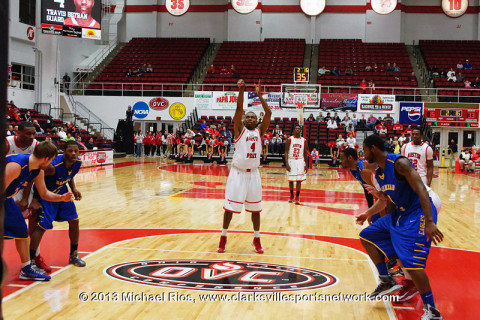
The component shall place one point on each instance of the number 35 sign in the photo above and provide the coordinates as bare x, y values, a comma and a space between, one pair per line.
177, 7
454, 8
244, 6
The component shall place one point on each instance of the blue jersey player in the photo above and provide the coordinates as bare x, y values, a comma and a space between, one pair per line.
408, 231
19, 171
58, 174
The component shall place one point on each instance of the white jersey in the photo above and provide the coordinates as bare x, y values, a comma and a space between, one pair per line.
297, 148
418, 155
248, 147
13, 148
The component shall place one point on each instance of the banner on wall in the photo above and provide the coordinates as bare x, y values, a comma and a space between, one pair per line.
338, 102
224, 100
203, 100
411, 113
96, 158
271, 98
162, 108
376, 103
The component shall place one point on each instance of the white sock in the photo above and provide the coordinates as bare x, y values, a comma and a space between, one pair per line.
37, 253
224, 232
26, 263
256, 234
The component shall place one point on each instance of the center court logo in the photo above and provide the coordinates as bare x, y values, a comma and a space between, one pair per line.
220, 275
140, 110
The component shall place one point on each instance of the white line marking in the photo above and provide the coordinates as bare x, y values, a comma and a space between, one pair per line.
86, 252
17, 285
239, 254
404, 308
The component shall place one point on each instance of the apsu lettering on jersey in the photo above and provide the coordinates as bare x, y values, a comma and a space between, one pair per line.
220, 275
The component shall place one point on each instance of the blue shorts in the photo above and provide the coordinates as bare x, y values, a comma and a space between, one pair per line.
375, 217
402, 235
14, 224
55, 211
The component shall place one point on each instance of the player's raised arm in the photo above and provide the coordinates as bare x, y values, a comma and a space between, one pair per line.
404, 168
237, 118
268, 113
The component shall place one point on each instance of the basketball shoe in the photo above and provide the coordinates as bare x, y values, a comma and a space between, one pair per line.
297, 200
221, 245
291, 199
386, 286
28, 273
258, 246
40, 263
430, 313
75, 260
407, 292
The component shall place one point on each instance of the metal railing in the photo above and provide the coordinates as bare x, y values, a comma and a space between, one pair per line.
91, 120
184, 90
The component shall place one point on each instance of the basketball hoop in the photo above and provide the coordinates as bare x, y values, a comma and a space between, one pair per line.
300, 100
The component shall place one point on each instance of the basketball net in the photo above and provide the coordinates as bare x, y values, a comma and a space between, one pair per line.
300, 101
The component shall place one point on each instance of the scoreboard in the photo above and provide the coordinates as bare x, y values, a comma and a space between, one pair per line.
452, 114
301, 75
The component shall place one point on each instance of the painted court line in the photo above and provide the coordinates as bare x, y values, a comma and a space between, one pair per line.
240, 254
17, 285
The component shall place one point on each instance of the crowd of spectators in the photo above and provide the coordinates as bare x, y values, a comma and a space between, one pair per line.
223, 70
144, 68
454, 74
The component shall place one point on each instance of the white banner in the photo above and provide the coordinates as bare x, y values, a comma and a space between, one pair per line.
376, 103
203, 100
96, 158
224, 100
272, 99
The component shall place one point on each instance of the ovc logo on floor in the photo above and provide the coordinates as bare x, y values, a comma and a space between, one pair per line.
140, 110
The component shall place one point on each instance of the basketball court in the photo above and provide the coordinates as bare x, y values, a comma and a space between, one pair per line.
150, 231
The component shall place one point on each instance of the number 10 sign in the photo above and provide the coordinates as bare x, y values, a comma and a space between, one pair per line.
454, 8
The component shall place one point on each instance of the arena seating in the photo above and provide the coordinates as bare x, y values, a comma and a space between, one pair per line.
354, 54
445, 54
272, 61
173, 61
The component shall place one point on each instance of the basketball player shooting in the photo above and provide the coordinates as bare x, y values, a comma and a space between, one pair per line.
296, 155
243, 184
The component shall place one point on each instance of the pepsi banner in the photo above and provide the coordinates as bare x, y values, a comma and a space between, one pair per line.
411, 113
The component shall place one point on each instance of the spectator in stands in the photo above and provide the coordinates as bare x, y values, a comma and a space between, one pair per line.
27, 117
433, 72
347, 122
336, 117
412, 77
368, 68
211, 70
102, 142
388, 119
276, 143
371, 85
149, 68
189, 134
396, 68
315, 156
459, 65
354, 120
233, 71
224, 70
395, 145
328, 117
331, 124
322, 71
351, 132
129, 73
383, 130
69, 137
335, 72
351, 141
226, 134
402, 140
10, 131
460, 78
442, 74
450, 73
465, 160
143, 68
467, 65
408, 130
364, 84
278, 131
81, 146
61, 134
467, 84
375, 68
203, 126
397, 127
311, 117
348, 71
389, 68
90, 145
319, 118
371, 122
452, 78
476, 83
340, 141
382, 68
